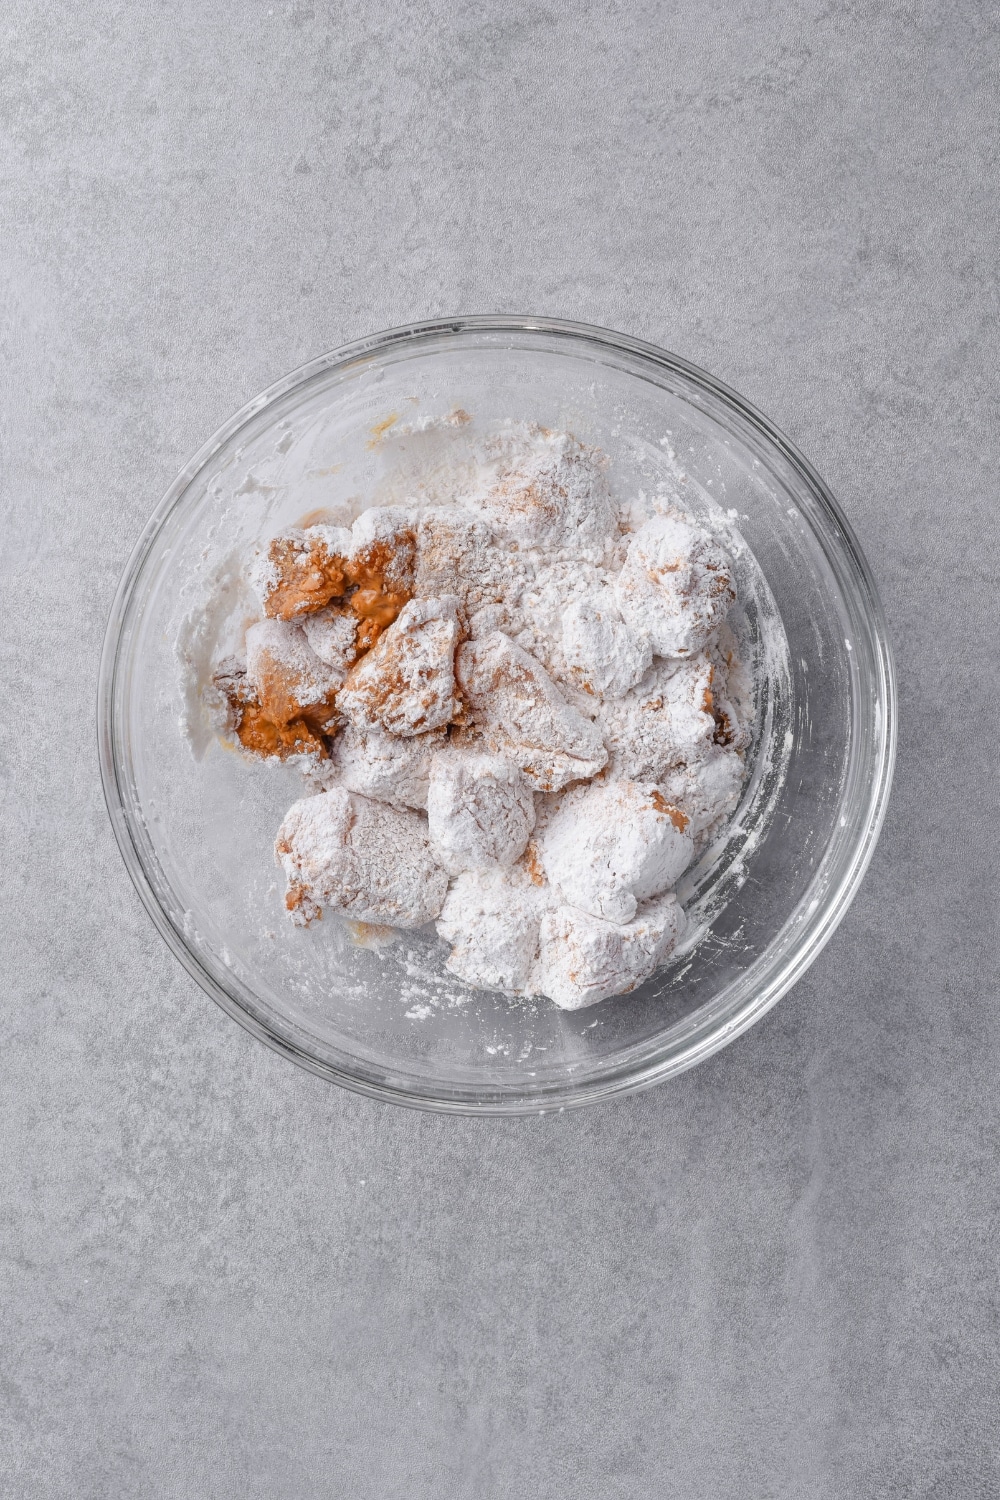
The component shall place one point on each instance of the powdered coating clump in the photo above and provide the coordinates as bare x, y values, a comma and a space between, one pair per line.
708, 788
491, 917
603, 654
332, 634
384, 767
480, 810
550, 490
456, 554
665, 721
406, 683
583, 959
610, 846
362, 858
676, 586
516, 709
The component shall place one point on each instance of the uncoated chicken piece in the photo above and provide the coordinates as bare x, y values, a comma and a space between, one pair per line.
383, 545
406, 683
258, 734
583, 959
380, 568
368, 861
516, 710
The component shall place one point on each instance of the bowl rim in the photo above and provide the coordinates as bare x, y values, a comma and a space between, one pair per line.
821, 920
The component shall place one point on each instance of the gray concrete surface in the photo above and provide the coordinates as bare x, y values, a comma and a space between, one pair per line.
776, 1277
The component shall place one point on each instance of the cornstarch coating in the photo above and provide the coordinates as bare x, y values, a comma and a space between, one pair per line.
519, 710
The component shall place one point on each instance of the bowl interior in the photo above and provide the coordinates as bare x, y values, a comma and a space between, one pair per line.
197, 823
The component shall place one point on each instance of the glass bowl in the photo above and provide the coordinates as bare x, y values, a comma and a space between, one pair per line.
196, 823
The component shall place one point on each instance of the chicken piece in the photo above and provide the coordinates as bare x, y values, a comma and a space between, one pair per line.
676, 586
491, 918
388, 769
516, 709
287, 676
406, 683
583, 959
383, 546
380, 570
608, 847
300, 571
707, 790
604, 655
456, 554
256, 733
667, 721
371, 862
480, 810
332, 634
550, 490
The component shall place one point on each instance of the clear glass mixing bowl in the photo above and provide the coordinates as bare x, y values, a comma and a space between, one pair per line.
196, 823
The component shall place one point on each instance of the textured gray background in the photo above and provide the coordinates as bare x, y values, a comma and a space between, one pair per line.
776, 1277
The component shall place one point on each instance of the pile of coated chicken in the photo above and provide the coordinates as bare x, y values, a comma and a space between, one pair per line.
521, 715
